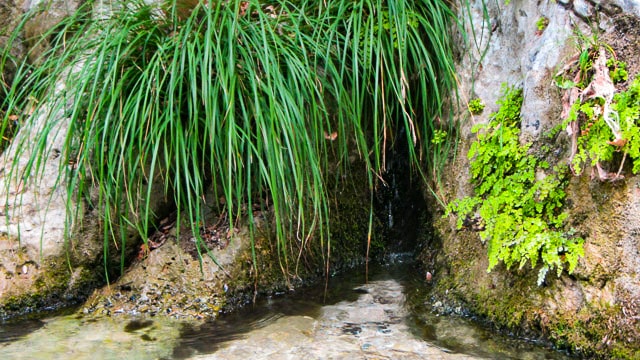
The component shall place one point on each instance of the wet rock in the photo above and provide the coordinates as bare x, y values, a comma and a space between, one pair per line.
88, 339
35, 210
280, 328
50, 14
372, 327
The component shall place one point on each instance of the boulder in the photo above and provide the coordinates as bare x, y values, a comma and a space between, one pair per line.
46, 261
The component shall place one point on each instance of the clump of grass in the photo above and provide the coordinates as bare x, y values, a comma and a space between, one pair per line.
250, 99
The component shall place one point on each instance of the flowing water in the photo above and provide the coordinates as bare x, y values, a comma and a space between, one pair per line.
386, 318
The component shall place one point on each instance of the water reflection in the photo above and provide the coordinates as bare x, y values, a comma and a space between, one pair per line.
316, 321
16, 329
450, 334
210, 336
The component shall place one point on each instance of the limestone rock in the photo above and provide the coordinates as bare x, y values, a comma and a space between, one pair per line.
44, 261
603, 294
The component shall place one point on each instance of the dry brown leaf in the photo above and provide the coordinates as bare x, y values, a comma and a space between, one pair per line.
332, 136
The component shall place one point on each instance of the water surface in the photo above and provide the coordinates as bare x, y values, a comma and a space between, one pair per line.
387, 317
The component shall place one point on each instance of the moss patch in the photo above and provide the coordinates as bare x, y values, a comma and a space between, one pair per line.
53, 286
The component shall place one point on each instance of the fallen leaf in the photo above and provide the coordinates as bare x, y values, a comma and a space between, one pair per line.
332, 137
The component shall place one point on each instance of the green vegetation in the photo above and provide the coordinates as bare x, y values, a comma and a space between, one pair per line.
602, 120
476, 106
542, 24
617, 70
258, 102
517, 206
600, 140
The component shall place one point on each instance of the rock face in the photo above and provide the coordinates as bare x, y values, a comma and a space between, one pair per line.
40, 265
49, 15
595, 310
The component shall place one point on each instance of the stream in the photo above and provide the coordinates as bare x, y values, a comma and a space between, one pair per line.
384, 318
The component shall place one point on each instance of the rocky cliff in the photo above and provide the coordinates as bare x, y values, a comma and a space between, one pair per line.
550, 51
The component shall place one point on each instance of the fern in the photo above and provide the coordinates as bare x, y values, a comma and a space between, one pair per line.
520, 216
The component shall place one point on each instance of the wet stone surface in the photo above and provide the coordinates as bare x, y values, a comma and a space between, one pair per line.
388, 318
372, 327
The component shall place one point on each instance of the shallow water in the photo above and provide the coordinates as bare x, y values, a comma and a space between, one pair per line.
350, 320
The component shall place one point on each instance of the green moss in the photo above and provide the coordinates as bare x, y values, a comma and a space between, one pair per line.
594, 331
515, 306
53, 288
269, 273
508, 304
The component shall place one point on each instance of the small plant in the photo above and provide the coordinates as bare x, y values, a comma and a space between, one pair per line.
617, 70
439, 136
476, 106
597, 142
518, 213
600, 120
541, 25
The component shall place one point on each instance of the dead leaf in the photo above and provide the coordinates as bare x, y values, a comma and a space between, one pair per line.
601, 86
332, 137
618, 142
244, 5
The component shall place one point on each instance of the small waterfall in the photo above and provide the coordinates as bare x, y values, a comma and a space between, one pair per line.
400, 205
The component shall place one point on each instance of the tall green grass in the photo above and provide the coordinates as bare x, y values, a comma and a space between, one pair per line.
262, 102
